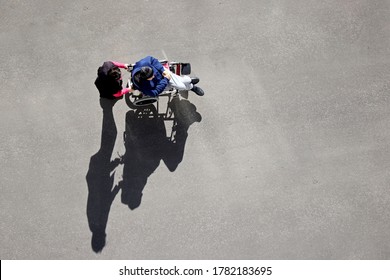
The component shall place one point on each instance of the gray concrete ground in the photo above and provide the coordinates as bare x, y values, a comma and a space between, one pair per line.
287, 154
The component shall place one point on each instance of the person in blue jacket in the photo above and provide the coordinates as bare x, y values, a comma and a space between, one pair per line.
151, 78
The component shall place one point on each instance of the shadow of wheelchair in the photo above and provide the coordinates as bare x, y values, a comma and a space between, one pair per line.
147, 143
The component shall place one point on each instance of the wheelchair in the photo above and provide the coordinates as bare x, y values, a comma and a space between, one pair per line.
138, 99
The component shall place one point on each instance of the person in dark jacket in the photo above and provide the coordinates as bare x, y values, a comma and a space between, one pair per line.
109, 80
151, 78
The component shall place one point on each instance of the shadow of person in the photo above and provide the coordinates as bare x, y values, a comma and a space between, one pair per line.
184, 115
100, 179
146, 144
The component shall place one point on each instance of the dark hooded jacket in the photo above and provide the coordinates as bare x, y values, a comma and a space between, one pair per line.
155, 86
107, 85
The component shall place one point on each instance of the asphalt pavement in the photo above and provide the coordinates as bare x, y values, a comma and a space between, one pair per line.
286, 156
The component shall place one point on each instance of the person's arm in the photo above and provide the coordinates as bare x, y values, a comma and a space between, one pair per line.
158, 89
122, 92
120, 65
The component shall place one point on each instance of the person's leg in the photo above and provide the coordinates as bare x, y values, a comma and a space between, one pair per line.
180, 82
185, 83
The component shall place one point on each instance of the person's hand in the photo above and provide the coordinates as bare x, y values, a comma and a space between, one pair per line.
136, 93
126, 66
167, 74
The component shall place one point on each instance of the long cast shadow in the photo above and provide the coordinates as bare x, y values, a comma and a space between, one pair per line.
147, 143
100, 179
184, 115
144, 141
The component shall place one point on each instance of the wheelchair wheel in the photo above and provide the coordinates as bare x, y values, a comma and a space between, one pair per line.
144, 101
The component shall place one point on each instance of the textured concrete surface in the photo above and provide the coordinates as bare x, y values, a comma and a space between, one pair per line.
287, 155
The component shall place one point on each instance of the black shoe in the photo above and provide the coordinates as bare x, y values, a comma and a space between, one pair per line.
194, 80
198, 90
